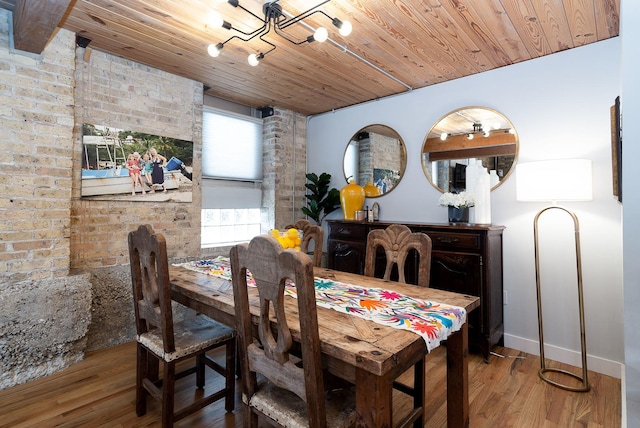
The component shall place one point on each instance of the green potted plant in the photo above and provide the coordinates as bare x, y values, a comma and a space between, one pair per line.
321, 200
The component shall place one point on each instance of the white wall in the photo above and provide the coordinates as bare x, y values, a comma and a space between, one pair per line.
559, 105
630, 98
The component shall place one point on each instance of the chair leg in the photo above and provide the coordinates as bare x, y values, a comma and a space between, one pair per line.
419, 388
168, 393
200, 368
142, 358
250, 417
153, 367
229, 374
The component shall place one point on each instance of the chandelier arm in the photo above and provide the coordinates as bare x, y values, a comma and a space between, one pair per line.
261, 18
267, 30
252, 33
286, 37
304, 15
273, 47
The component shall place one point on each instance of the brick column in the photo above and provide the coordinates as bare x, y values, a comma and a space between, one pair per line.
285, 165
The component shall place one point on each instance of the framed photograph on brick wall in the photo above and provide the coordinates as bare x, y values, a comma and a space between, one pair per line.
124, 164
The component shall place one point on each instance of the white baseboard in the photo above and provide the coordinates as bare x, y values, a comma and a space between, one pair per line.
567, 356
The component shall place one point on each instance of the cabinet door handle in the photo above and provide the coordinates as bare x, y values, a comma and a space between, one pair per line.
448, 240
344, 231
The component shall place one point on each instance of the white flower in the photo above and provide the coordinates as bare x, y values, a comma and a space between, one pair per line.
458, 200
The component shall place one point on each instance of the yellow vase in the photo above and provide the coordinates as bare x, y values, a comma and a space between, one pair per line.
370, 190
351, 200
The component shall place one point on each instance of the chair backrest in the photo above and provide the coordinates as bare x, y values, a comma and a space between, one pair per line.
397, 240
269, 354
151, 288
310, 232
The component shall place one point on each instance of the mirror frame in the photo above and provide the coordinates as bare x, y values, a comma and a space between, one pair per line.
456, 111
385, 131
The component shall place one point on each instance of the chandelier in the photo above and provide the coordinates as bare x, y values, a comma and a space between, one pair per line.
274, 19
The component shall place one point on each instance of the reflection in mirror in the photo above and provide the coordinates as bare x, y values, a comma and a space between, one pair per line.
465, 136
375, 158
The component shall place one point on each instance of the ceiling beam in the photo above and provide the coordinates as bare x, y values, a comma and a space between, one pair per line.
35, 22
479, 152
499, 143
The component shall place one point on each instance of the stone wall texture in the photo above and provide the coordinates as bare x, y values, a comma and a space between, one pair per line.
43, 327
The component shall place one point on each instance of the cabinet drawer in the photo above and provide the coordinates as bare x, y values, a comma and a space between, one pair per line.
348, 231
455, 240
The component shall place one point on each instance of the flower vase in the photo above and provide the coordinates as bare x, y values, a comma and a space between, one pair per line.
351, 200
458, 215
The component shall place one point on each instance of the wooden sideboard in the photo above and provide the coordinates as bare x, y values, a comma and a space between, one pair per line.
465, 259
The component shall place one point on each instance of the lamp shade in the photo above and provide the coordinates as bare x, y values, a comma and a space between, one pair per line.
554, 180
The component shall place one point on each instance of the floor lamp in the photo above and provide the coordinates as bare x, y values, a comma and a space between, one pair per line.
557, 180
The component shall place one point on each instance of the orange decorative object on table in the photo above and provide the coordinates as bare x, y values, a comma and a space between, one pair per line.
370, 190
289, 239
351, 200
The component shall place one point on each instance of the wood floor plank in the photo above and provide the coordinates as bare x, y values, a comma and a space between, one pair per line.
99, 392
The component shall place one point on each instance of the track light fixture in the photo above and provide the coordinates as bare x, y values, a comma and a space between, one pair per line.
274, 19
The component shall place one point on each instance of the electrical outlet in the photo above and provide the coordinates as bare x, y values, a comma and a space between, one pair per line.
505, 298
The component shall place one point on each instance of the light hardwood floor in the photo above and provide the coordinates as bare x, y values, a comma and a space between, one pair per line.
99, 392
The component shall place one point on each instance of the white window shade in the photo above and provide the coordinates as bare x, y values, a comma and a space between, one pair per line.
231, 146
230, 194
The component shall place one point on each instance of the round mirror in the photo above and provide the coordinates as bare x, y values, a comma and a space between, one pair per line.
465, 136
375, 158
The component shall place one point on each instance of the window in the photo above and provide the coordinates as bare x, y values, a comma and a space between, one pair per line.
225, 227
231, 146
232, 178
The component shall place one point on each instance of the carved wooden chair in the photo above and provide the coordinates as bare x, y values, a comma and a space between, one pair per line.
310, 232
293, 392
397, 240
160, 339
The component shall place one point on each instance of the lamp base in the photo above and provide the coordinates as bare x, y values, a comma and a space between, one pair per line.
583, 346
585, 384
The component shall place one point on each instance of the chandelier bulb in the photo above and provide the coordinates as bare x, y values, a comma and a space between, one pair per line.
214, 50
254, 59
321, 35
345, 29
215, 20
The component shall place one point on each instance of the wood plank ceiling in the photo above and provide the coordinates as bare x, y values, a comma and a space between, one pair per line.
395, 46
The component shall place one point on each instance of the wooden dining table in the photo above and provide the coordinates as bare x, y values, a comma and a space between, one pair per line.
366, 353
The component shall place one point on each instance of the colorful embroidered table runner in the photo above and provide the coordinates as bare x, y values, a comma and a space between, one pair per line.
432, 320
220, 267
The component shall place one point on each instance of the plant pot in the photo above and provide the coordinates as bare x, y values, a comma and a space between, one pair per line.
458, 215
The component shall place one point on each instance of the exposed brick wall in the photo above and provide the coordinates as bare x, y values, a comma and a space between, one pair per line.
36, 128
126, 95
285, 164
